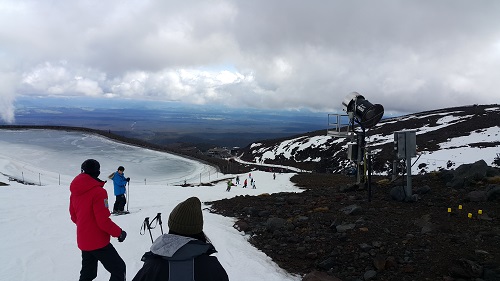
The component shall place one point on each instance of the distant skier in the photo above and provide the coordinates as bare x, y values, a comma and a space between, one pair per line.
119, 183
237, 179
274, 176
229, 184
245, 183
253, 185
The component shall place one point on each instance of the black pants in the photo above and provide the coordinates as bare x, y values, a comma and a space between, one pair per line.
120, 203
109, 258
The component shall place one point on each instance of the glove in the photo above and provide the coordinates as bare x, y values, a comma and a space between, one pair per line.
122, 237
128, 179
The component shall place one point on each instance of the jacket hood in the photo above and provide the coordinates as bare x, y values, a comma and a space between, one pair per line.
176, 247
83, 183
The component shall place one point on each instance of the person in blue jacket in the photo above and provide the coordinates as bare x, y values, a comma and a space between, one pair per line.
119, 183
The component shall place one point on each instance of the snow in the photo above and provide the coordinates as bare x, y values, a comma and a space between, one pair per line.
39, 240
455, 150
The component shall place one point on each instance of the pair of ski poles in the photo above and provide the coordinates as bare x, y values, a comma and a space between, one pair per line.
149, 225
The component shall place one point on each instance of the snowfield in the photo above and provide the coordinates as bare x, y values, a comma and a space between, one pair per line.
39, 239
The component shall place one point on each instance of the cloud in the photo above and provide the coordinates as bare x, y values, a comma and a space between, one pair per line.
409, 56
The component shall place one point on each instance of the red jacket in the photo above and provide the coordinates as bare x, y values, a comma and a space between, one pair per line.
88, 207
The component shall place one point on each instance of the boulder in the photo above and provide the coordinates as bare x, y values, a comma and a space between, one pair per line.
467, 174
476, 196
319, 276
398, 193
352, 210
493, 192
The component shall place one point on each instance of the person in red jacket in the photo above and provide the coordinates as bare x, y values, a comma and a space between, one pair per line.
88, 208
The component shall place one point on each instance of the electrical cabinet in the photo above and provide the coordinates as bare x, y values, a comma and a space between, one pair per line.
405, 144
352, 151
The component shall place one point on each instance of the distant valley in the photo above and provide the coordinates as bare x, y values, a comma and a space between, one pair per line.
169, 123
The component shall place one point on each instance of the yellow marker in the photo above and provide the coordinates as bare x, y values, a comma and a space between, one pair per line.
480, 212
449, 210
460, 207
469, 215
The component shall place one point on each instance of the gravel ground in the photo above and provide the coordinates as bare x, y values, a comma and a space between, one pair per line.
332, 227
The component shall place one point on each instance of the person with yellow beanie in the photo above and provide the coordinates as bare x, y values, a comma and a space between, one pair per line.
185, 252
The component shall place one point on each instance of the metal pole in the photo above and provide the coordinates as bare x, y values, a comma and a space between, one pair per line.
408, 176
394, 169
369, 177
408, 166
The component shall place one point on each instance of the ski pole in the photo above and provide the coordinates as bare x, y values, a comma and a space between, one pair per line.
148, 226
128, 193
158, 221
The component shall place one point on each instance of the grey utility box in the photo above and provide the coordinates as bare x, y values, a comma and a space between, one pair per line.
405, 144
352, 151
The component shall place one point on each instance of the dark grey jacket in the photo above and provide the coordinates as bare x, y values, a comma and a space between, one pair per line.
178, 258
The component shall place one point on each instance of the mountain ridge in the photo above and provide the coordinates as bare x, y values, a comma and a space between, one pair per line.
434, 130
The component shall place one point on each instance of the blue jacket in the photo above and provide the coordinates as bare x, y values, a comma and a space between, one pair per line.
119, 182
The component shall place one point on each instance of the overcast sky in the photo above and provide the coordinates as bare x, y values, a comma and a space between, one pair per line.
408, 56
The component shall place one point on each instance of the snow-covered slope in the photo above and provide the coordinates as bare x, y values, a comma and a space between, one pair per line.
446, 138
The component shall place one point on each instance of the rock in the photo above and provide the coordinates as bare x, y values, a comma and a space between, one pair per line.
345, 227
312, 255
292, 200
491, 275
273, 224
241, 226
327, 264
398, 193
365, 247
369, 275
464, 268
319, 276
251, 211
466, 174
429, 227
476, 196
347, 188
352, 210
493, 192
422, 190
264, 214
408, 269
379, 262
